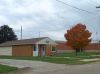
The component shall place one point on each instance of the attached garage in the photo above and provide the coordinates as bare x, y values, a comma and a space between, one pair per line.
6, 50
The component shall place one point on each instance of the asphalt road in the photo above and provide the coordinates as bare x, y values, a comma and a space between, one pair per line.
37, 67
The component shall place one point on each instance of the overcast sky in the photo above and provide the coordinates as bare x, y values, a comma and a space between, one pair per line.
49, 17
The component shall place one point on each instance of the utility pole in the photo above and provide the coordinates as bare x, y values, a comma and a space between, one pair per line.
21, 33
98, 7
39, 34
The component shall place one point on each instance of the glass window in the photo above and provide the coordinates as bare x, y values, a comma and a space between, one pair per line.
34, 47
53, 48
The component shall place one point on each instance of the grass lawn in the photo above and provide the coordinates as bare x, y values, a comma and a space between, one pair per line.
52, 59
5, 68
73, 54
64, 58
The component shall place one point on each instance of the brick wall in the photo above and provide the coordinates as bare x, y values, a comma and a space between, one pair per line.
93, 47
62, 47
48, 50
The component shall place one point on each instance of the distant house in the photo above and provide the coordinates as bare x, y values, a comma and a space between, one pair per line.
62, 47
43, 46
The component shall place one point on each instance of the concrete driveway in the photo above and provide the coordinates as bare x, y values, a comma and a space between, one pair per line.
37, 67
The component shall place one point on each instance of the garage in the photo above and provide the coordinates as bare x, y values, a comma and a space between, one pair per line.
6, 50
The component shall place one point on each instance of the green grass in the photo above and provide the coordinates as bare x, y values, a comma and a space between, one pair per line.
5, 68
85, 55
79, 54
59, 58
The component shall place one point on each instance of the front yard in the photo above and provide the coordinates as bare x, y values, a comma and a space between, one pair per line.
4, 68
64, 58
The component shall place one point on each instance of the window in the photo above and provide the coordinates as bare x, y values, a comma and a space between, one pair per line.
53, 48
47, 41
34, 47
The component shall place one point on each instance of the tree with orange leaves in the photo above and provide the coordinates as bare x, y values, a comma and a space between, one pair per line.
78, 37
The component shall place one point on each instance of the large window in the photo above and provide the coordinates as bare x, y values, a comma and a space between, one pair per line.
53, 48
34, 47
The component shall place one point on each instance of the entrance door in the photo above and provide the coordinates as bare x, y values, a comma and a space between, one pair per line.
43, 51
35, 50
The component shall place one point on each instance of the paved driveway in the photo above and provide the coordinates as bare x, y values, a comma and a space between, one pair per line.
37, 67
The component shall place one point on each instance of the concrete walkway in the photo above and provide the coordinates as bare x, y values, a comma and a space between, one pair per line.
37, 67
89, 60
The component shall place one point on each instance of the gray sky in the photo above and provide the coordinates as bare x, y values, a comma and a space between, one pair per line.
49, 17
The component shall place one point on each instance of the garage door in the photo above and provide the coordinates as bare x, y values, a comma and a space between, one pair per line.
22, 50
6, 51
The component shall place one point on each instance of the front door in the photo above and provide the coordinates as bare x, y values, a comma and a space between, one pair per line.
35, 50
43, 51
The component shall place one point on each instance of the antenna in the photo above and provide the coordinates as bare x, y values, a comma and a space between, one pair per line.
21, 32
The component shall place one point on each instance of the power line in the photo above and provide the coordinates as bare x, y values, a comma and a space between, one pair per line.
74, 6
94, 2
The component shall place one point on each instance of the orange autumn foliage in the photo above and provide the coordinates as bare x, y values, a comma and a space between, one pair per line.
78, 36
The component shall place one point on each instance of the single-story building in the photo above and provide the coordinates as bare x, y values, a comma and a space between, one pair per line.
92, 47
43, 46
62, 47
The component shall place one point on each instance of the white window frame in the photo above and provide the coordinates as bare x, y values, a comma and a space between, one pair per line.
53, 46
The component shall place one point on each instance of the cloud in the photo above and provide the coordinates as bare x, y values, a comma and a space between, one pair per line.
49, 17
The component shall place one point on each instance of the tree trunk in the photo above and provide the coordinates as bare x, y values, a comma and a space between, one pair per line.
77, 50
81, 49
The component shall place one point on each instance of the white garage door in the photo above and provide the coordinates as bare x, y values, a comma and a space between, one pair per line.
6, 51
